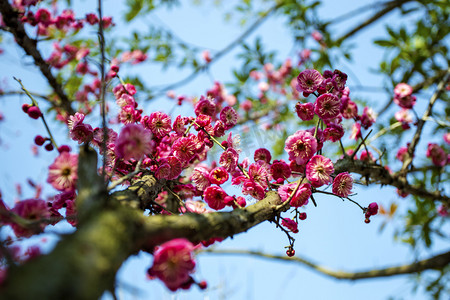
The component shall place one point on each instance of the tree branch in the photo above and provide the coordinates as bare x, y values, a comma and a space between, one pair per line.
415, 140
15, 26
435, 262
378, 174
388, 7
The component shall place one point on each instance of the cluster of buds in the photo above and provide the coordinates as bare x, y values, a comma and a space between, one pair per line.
371, 210
32, 111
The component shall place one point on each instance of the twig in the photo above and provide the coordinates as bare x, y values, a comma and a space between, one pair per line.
436, 262
42, 115
421, 122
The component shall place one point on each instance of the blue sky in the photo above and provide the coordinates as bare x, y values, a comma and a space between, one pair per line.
334, 234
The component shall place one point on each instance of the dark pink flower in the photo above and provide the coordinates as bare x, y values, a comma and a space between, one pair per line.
134, 141
253, 189
318, 170
327, 106
203, 120
301, 146
219, 129
401, 153
349, 110
159, 123
259, 174
290, 224
218, 175
178, 125
368, 117
129, 115
200, 178
333, 132
229, 159
215, 197
437, 154
305, 111
206, 107
173, 263
184, 149
309, 81
32, 210
262, 154
404, 116
170, 168
82, 133
342, 184
229, 117
63, 173
300, 197
280, 169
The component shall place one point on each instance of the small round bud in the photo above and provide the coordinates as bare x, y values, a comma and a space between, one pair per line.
115, 68
39, 140
290, 252
202, 285
367, 221
64, 148
49, 147
302, 216
34, 112
25, 107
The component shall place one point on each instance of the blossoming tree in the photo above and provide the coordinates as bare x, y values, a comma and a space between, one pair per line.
173, 185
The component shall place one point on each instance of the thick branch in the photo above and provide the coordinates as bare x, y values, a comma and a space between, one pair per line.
84, 264
435, 262
14, 25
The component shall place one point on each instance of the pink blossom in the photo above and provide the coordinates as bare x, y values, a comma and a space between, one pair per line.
333, 132
259, 174
121, 89
280, 169
82, 133
159, 123
262, 154
218, 175
300, 197
200, 178
129, 115
63, 173
32, 210
309, 81
401, 153
246, 105
327, 106
184, 149
205, 106
290, 224
173, 263
229, 159
349, 110
339, 80
134, 141
169, 169
301, 146
437, 154
126, 99
368, 117
404, 116
215, 196
305, 111
356, 131
253, 189
75, 120
447, 137
98, 137
229, 117
403, 90
318, 170
342, 184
